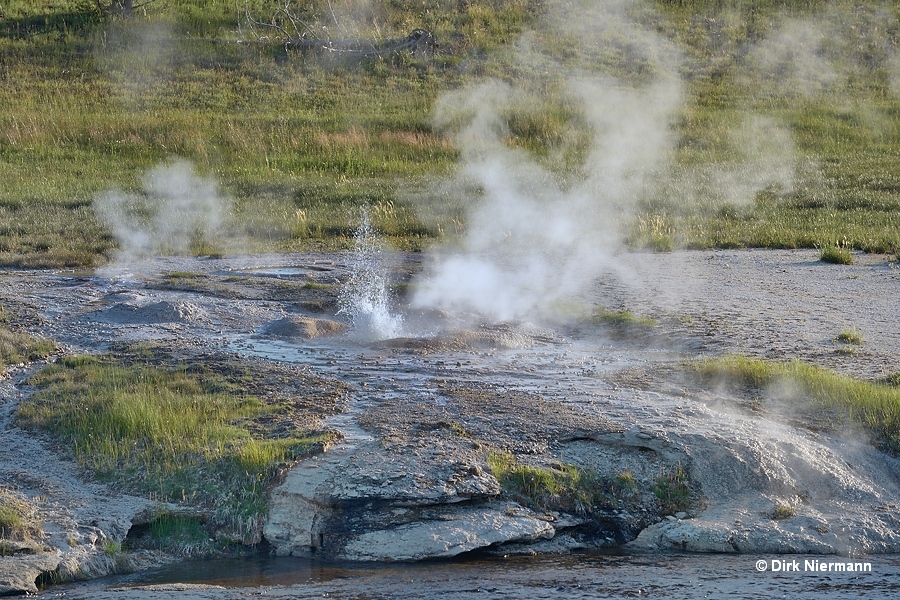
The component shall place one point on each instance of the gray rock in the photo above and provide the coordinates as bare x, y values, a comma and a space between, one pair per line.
340, 502
460, 531
164, 311
19, 572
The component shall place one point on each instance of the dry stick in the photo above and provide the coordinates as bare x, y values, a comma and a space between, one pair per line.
408, 42
294, 22
274, 24
333, 16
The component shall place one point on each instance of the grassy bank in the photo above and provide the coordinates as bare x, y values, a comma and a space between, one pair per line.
91, 101
18, 347
565, 487
818, 397
196, 435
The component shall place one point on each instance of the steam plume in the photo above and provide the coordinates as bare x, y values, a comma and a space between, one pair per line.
532, 237
178, 209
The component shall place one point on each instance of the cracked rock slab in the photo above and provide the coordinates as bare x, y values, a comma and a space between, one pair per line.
461, 531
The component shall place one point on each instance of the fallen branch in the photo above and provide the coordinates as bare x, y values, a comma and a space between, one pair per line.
283, 13
296, 34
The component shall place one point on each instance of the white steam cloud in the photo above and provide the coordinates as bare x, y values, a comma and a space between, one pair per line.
764, 157
533, 239
178, 210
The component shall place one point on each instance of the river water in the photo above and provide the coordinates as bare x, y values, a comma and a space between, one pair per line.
580, 576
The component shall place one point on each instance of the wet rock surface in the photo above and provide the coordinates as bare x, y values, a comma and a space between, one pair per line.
411, 478
415, 482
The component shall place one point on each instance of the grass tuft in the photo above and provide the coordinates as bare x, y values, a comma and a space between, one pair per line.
783, 511
673, 491
562, 487
836, 255
850, 336
10, 518
188, 535
622, 319
19, 347
18, 518
875, 406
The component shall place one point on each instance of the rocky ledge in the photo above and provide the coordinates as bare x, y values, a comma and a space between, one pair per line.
417, 482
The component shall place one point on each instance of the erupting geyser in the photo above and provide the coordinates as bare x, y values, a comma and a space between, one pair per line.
364, 298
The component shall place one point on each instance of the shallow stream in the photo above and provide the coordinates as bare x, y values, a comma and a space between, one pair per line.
678, 577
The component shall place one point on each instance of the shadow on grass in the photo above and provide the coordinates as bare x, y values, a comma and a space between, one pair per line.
61, 22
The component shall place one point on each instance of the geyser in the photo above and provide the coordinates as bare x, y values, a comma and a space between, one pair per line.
364, 297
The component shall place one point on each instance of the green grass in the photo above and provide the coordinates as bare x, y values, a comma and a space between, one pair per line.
19, 520
673, 491
560, 487
91, 101
621, 319
837, 255
185, 533
19, 347
10, 519
283, 137
573, 489
850, 336
181, 275
563, 487
179, 434
874, 406
783, 511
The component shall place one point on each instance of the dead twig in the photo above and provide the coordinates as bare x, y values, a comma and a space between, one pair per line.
284, 12
417, 40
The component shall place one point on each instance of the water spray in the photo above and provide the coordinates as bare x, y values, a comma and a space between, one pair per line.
364, 298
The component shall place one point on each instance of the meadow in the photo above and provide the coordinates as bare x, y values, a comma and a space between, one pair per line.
91, 99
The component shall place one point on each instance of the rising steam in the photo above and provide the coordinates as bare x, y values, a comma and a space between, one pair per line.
177, 212
534, 238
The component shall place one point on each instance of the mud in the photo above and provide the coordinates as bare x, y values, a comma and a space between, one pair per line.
561, 390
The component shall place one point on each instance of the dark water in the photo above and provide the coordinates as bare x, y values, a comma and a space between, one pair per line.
579, 577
